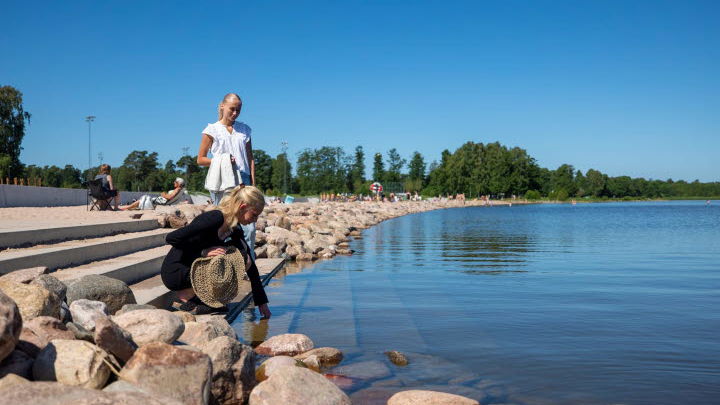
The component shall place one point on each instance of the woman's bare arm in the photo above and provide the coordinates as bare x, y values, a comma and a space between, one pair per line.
205, 144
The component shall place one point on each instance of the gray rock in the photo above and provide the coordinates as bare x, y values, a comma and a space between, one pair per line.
171, 371
151, 325
12, 379
297, 386
24, 276
10, 325
422, 397
114, 293
198, 333
328, 356
72, 362
17, 363
288, 344
134, 307
52, 393
32, 300
65, 315
51, 284
233, 367
269, 366
220, 323
86, 312
114, 340
80, 332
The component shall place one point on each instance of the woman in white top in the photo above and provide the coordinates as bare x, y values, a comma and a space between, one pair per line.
231, 137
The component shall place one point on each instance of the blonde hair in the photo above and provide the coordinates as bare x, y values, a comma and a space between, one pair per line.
241, 194
227, 97
105, 168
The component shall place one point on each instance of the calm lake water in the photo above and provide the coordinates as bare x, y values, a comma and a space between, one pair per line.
614, 303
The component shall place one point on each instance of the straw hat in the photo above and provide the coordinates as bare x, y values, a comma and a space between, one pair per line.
217, 279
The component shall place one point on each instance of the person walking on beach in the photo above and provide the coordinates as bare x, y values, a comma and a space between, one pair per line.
107, 184
210, 234
228, 136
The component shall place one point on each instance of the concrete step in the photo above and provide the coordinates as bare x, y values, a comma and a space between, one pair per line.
130, 268
33, 235
152, 290
77, 252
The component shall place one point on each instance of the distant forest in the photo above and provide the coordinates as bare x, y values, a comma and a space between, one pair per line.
473, 169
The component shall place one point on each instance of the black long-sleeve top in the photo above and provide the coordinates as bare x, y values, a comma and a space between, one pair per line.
188, 243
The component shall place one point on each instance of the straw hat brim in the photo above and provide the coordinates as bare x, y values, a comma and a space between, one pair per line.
217, 280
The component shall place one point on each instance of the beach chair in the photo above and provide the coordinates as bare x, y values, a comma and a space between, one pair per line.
97, 195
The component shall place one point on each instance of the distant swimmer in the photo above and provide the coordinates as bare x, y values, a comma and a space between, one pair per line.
574, 202
707, 202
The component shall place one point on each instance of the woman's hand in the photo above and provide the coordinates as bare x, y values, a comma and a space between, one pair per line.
265, 311
214, 251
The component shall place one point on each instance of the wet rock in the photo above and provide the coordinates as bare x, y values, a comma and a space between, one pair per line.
114, 293
374, 395
397, 358
80, 332
297, 386
52, 393
24, 276
10, 325
111, 338
133, 307
421, 397
269, 366
150, 325
328, 356
170, 371
32, 300
17, 363
86, 312
312, 362
233, 367
72, 362
220, 323
366, 370
289, 344
198, 333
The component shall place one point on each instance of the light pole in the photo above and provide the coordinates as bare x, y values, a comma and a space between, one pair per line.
284, 150
89, 119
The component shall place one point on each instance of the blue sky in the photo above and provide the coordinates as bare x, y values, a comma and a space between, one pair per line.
626, 87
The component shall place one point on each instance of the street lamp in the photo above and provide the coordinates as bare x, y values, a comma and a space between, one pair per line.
284, 150
89, 119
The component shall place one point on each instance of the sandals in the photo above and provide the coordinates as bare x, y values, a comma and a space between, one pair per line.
196, 307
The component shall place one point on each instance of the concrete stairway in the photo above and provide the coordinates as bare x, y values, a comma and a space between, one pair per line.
131, 251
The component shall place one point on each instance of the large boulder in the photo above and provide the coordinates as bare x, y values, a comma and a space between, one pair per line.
10, 325
422, 397
114, 293
52, 284
288, 344
151, 325
111, 338
171, 371
24, 276
72, 362
17, 363
198, 333
220, 323
12, 379
38, 332
52, 393
233, 367
32, 300
134, 307
86, 312
297, 386
366, 370
327, 356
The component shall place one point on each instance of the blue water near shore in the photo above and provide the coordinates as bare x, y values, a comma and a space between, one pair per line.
615, 303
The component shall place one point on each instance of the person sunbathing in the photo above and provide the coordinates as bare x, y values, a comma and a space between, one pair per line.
169, 198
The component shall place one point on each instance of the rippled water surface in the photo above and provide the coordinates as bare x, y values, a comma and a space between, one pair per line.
593, 303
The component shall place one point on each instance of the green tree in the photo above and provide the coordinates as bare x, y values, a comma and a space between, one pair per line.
563, 179
140, 172
416, 173
281, 175
356, 171
321, 170
263, 169
395, 163
12, 131
378, 168
595, 182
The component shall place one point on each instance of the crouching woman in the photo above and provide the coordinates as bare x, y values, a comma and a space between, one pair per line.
211, 234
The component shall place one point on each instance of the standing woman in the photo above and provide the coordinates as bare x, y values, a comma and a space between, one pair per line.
211, 234
107, 183
231, 137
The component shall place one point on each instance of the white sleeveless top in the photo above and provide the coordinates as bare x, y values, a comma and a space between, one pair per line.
234, 144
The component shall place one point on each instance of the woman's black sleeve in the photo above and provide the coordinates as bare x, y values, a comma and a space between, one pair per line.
192, 235
258, 292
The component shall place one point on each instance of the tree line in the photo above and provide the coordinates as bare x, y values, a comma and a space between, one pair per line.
474, 169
